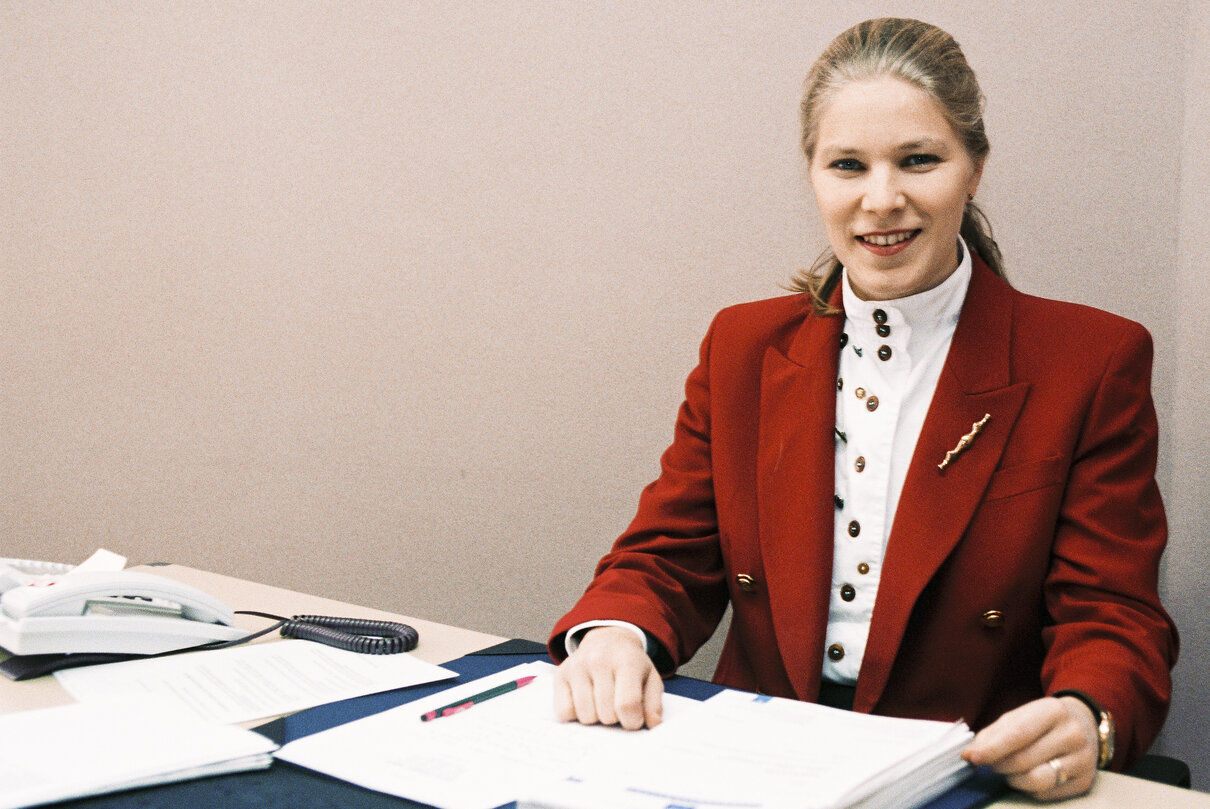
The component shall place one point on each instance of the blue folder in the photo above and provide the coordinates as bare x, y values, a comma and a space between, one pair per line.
284, 786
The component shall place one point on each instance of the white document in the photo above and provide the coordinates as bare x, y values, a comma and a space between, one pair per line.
744, 751
76, 750
734, 751
103, 560
251, 682
477, 759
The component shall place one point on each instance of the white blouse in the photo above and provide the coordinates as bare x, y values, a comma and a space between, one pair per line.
890, 361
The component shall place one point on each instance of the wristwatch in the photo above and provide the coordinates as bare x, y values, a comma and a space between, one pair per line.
1105, 726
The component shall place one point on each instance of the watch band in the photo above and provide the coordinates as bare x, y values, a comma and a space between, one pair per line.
1105, 725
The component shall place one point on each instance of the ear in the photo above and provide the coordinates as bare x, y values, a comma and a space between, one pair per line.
973, 187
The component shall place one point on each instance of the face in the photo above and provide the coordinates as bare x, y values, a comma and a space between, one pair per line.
891, 180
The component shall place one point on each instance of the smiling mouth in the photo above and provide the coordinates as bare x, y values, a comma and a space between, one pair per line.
888, 239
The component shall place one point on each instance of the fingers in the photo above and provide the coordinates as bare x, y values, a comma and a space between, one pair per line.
637, 700
1012, 733
1047, 748
609, 680
565, 709
1054, 779
653, 699
573, 694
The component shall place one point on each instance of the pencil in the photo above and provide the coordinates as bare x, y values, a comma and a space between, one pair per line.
463, 704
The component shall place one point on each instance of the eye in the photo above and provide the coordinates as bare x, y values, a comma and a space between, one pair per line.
922, 160
846, 164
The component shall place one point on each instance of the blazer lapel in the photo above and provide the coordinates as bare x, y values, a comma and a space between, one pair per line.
795, 484
937, 505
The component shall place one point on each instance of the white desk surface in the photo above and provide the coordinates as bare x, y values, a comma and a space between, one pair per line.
1113, 790
440, 643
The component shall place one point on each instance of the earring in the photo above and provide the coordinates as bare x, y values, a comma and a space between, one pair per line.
970, 197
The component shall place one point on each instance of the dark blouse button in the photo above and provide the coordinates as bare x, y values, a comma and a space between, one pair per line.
992, 619
871, 404
879, 316
859, 464
844, 340
863, 568
838, 500
854, 528
840, 383
859, 393
884, 353
883, 330
848, 592
835, 652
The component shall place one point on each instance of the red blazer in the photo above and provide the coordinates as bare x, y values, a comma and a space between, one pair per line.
1051, 517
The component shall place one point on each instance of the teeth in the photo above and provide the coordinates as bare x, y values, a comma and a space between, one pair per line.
893, 238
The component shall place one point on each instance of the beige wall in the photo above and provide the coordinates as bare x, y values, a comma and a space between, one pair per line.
392, 302
1187, 579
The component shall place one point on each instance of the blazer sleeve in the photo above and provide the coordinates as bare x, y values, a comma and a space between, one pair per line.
665, 573
1110, 637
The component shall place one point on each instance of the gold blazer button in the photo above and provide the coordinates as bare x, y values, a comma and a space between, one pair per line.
745, 582
993, 619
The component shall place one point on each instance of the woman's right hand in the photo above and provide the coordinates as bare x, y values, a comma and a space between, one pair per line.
609, 679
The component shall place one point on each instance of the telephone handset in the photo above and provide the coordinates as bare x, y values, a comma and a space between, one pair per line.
115, 611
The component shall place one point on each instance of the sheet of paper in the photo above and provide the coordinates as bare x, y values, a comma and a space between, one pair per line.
84, 749
477, 759
251, 682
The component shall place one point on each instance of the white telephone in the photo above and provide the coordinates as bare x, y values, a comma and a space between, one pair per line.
115, 611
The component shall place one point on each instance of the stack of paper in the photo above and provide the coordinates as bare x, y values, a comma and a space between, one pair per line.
735, 750
741, 751
85, 749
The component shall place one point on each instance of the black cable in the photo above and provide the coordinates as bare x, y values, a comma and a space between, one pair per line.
352, 634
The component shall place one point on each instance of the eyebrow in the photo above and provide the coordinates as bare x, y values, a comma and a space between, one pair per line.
909, 146
923, 143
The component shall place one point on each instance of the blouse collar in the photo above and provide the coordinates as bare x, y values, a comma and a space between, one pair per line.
929, 313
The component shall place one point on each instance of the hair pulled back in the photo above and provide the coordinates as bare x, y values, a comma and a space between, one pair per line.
928, 58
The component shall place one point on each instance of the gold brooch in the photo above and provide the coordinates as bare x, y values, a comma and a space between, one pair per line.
964, 442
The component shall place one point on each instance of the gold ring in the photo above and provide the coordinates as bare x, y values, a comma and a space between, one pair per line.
1061, 775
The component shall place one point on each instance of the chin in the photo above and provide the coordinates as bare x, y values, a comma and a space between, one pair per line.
900, 282
877, 286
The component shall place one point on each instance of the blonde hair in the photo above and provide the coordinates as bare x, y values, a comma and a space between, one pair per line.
928, 58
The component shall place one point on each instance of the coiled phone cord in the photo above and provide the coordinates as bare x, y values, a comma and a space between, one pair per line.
352, 634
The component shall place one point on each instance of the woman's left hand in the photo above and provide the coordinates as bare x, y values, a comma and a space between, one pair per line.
1046, 748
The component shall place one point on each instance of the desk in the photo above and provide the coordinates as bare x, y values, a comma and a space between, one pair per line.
439, 644
1113, 790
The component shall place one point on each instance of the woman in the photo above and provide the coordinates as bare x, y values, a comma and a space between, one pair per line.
923, 493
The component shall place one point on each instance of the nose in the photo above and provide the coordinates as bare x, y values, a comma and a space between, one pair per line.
882, 193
